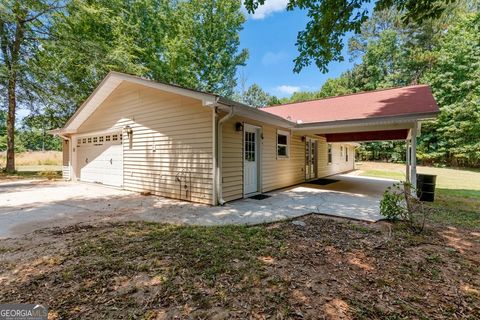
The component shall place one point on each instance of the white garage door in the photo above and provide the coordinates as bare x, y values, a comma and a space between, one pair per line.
100, 159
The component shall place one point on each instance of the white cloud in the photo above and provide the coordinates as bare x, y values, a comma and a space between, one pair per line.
270, 6
285, 89
271, 58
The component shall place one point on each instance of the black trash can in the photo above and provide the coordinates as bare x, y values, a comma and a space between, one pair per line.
426, 187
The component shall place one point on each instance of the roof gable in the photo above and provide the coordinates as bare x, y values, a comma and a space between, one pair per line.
112, 81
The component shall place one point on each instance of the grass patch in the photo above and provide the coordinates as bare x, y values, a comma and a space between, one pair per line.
39, 168
383, 174
279, 271
35, 158
188, 268
460, 208
456, 204
50, 175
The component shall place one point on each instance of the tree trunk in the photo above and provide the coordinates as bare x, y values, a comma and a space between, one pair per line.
12, 102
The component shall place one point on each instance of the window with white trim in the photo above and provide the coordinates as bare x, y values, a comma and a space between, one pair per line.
346, 154
329, 153
283, 140
341, 151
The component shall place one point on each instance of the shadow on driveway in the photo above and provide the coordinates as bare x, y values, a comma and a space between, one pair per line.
28, 205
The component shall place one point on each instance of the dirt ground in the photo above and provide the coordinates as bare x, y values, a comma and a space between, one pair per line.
315, 268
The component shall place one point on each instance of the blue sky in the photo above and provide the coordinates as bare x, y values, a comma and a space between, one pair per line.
270, 37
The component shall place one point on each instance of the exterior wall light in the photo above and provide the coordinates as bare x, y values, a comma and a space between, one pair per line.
238, 126
129, 131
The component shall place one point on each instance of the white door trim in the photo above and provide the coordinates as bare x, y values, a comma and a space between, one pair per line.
258, 159
311, 142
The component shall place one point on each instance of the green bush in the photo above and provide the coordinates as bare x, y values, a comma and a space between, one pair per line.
392, 205
399, 203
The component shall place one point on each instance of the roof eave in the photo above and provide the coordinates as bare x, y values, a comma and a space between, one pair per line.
256, 114
369, 121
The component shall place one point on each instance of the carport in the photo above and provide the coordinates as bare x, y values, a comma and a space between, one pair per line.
347, 196
405, 130
383, 115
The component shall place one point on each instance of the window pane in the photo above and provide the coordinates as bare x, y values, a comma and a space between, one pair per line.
281, 139
282, 150
250, 146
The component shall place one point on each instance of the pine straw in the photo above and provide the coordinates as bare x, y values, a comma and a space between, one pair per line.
328, 269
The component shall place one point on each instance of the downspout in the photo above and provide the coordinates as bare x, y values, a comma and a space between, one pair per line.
219, 155
214, 155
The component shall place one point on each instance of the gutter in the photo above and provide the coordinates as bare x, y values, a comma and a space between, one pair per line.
219, 154
58, 132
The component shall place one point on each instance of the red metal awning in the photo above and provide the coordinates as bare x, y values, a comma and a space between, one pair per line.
401, 134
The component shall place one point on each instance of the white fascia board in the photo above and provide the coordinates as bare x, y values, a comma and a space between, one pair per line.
206, 98
103, 90
254, 113
393, 120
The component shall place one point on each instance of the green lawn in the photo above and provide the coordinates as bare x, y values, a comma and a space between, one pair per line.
457, 196
383, 174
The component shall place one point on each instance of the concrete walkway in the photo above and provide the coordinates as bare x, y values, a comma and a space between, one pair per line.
29, 205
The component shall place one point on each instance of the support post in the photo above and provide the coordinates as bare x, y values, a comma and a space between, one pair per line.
413, 157
407, 161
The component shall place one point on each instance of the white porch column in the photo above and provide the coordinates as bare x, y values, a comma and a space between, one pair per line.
413, 157
407, 160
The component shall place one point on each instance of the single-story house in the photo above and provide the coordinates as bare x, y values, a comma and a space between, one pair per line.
147, 136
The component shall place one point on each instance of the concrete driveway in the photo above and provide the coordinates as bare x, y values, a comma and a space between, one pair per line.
29, 205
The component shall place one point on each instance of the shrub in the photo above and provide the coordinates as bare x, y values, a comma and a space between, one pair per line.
398, 203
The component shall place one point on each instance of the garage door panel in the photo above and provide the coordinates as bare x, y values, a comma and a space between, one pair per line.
100, 161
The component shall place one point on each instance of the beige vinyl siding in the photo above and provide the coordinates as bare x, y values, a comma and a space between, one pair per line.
65, 153
338, 164
275, 173
172, 137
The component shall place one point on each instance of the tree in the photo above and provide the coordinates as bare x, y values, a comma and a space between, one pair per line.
455, 80
22, 25
442, 52
255, 96
321, 41
189, 43
3, 130
212, 30
34, 136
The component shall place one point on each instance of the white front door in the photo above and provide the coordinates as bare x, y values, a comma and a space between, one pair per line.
310, 158
100, 159
250, 159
